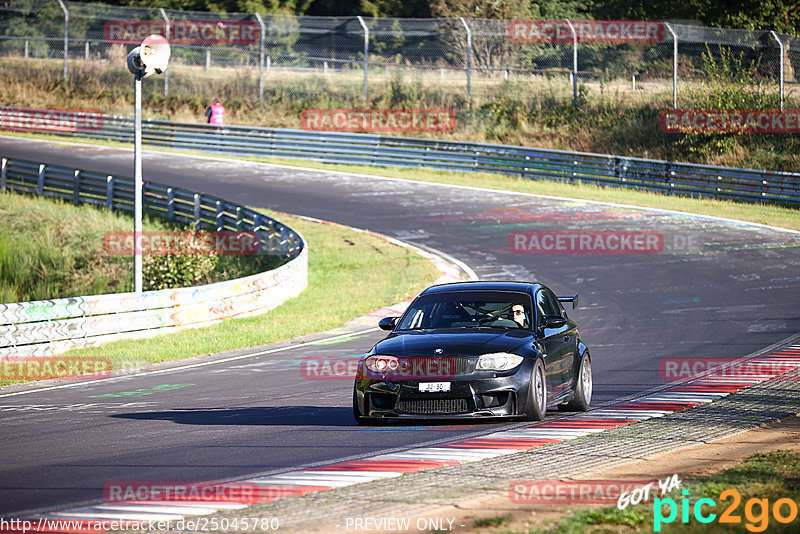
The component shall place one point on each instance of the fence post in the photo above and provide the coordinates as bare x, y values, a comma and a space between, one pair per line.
166, 72
66, 36
86, 51
469, 60
197, 211
261, 58
110, 192
574, 61
219, 215
3, 174
76, 187
170, 204
40, 180
366, 55
674, 66
782, 60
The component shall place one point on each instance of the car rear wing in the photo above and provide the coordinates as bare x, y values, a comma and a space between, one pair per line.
573, 299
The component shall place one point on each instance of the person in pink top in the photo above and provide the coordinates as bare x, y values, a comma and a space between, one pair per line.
215, 112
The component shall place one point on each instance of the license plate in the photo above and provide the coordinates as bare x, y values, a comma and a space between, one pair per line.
434, 386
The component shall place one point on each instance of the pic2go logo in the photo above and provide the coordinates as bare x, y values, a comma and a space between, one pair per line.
756, 511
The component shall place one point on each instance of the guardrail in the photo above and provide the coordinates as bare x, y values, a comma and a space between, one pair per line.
48, 327
379, 150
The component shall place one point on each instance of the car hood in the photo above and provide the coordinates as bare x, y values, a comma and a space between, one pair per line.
452, 342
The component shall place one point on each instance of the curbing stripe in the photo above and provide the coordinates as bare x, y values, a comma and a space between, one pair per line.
682, 396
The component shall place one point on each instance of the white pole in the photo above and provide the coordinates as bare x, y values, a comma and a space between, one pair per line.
261, 58
366, 55
137, 188
66, 35
783, 61
166, 74
469, 60
574, 61
674, 66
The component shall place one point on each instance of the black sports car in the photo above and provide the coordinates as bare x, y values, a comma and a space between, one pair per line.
476, 349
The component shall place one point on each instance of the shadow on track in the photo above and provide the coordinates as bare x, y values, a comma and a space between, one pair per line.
270, 416
287, 416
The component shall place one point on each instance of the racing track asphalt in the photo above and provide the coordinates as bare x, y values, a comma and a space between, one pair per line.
717, 289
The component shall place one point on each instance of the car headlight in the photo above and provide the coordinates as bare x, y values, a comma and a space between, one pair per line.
382, 364
498, 361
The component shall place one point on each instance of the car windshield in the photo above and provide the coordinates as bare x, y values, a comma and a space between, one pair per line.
468, 309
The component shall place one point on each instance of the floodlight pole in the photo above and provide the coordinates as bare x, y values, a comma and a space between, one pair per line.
137, 186
166, 73
574, 61
366, 55
469, 60
783, 60
66, 35
674, 65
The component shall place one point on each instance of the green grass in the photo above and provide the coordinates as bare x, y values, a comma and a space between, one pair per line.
608, 116
770, 476
50, 249
350, 274
498, 521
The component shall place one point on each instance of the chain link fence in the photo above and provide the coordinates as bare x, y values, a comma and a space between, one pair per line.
456, 63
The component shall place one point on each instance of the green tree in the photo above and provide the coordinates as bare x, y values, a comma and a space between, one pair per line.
781, 15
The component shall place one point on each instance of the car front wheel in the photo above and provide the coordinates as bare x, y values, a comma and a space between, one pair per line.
536, 407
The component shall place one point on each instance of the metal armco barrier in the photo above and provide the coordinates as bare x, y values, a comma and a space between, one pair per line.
380, 150
49, 327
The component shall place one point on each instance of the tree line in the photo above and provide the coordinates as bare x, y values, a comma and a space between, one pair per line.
780, 15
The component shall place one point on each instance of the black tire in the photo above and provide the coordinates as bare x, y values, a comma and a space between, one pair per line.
360, 419
582, 396
536, 406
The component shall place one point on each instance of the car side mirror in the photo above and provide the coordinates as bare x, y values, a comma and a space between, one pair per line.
553, 321
388, 323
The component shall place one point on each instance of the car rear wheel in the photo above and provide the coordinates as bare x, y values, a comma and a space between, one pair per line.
536, 407
583, 387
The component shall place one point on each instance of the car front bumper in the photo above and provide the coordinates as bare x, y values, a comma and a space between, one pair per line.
484, 394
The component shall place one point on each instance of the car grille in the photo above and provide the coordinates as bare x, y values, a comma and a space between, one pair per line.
456, 365
432, 406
